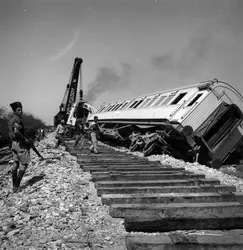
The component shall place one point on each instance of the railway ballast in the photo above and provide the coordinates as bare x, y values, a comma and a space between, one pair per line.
166, 205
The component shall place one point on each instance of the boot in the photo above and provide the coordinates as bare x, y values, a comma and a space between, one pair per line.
20, 176
15, 181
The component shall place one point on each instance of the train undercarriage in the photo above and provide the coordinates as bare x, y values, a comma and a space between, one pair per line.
218, 141
152, 140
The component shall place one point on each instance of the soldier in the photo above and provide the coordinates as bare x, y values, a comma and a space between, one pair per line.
20, 145
94, 134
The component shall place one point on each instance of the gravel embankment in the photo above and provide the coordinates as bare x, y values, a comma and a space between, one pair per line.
57, 209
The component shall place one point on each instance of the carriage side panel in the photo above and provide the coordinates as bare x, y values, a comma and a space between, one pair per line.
197, 115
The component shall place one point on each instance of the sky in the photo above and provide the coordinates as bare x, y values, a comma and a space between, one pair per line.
129, 48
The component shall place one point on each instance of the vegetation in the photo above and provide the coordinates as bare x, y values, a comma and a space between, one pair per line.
31, 123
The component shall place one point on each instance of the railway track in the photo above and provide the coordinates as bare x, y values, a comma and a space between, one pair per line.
169, 208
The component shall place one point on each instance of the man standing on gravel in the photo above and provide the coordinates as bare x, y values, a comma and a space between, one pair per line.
94, 134
60, 133
20, 145
79, 130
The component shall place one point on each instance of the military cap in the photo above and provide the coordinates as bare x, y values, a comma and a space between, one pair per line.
15, 105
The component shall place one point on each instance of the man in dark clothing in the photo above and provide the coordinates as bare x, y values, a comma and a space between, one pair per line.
20, 145
79, 130
60, 131
94, 135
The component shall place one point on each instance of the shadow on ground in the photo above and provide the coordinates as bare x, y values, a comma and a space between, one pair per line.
33, 180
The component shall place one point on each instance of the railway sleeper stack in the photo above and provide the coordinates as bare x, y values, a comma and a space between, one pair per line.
172, 203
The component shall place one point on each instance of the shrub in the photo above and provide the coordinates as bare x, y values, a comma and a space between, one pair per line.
31, 124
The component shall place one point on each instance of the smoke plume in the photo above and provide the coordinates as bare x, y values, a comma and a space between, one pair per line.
215, 50
109, 80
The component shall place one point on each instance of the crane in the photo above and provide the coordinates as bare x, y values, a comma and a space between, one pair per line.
70, 95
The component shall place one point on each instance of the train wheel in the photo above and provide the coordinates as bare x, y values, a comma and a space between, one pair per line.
215, 163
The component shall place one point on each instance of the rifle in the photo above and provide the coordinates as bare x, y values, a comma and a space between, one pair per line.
35, 149
31, 141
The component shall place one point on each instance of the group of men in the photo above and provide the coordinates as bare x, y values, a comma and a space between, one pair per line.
82, 130
21, 144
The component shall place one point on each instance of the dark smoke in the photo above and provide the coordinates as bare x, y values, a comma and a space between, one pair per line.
108, 79
215, 50
191, 58
212, 52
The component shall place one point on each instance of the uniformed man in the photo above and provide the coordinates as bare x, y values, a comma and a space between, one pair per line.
20, 145
94, 135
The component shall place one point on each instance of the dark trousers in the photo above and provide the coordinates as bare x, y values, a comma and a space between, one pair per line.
60, 140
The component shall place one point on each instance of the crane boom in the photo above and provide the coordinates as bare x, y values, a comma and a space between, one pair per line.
70, 95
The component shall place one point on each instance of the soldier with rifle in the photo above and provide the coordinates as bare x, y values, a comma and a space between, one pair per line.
20, 145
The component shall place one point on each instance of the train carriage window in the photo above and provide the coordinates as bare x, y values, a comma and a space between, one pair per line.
100, 110
110, 108
178, 98
135, 104
131, 105
145, 102
107, 107
114, 107
167, 100
123, 105
138, 103
118, 107
160, 100
194, 99
142, 102
104, 108
150, 104
128, 104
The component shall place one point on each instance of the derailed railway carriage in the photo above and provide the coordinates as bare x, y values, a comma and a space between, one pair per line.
200, 123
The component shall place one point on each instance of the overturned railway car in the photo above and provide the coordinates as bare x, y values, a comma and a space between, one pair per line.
200, 123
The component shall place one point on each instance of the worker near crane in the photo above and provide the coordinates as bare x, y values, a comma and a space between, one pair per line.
20, 145
79, 131
60, 131
94, 135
